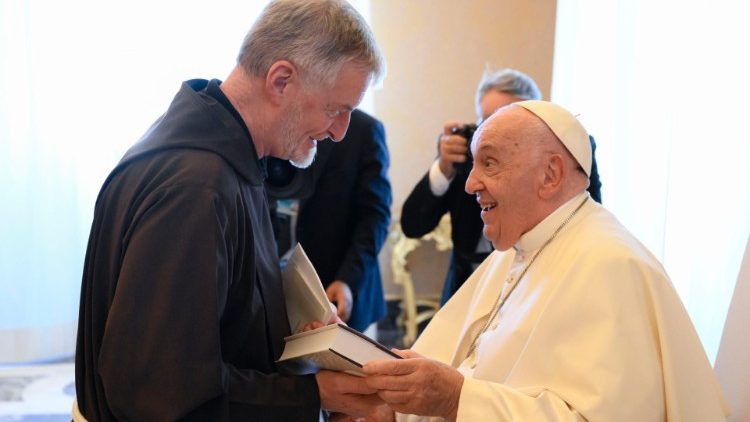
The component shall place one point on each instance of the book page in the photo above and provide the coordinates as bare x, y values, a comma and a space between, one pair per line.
306, 300
335, 347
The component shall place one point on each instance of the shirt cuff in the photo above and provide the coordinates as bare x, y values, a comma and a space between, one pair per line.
439, 184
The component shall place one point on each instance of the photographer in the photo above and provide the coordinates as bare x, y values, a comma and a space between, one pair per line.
441, 190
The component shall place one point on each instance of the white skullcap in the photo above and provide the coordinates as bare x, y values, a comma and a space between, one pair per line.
566, 127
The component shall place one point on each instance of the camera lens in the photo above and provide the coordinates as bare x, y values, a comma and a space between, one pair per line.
280, 172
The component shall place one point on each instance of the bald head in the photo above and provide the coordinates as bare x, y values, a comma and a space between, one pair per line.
522, 173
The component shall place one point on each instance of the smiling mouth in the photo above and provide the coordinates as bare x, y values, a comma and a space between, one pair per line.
487, 207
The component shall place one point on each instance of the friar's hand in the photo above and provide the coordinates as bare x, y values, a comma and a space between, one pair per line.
344, 393
416, 385
317, 324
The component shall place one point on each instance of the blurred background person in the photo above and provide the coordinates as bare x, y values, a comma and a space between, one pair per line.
342, 217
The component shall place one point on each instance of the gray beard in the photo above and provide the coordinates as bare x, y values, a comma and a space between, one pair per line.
308, 160
289, 124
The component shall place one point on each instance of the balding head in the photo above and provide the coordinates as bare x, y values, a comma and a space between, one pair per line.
522, 173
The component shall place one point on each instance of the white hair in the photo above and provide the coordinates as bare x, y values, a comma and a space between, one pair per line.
317, 36
509, 81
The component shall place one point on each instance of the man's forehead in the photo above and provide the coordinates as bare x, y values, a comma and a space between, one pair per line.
496, 138
350, 85
503, 134
507, 122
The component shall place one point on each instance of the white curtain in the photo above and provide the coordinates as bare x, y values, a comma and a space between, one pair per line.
80, 81
663, 85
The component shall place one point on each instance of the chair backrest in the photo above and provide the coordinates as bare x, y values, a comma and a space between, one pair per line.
415, 273
427, 264
733, 360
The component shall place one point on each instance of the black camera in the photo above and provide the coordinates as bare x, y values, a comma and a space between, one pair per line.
285, 181
466, 131
285, 186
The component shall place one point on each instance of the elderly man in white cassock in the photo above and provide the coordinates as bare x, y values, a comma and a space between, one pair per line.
571, 318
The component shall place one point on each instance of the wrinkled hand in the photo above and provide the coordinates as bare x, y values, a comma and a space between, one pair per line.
339, 292
317, 324
452, 149
416, 385
344, 393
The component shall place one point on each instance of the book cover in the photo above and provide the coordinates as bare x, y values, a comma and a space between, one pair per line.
336, 347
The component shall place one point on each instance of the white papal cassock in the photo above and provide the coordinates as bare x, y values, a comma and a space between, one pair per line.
594, 331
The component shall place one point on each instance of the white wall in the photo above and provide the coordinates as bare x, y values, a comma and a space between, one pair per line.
436, 52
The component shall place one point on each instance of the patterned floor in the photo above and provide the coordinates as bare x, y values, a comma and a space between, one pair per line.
36, 393
45, 392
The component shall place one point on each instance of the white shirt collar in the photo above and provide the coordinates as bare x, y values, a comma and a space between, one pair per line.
535, 238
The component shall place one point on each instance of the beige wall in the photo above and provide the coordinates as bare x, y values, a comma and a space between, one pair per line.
436, 51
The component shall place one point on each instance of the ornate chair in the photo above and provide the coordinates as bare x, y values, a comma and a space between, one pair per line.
424, 293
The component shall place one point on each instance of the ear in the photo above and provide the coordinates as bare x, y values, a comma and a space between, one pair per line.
282, 78
554, 173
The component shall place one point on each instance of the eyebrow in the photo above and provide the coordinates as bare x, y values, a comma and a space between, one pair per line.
501, 153
487, 147
340, 108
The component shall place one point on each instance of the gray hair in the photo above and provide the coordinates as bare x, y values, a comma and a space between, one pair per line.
317, 36
509, 81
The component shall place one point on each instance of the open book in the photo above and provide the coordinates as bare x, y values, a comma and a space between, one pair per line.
306, 300
335, 347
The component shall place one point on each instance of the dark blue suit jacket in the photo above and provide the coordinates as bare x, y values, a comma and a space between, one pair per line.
343, 225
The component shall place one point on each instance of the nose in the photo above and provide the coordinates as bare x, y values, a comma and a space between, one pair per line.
339, 126
473, 184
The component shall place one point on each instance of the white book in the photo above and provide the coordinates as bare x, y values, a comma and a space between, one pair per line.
306, 300
336, 347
